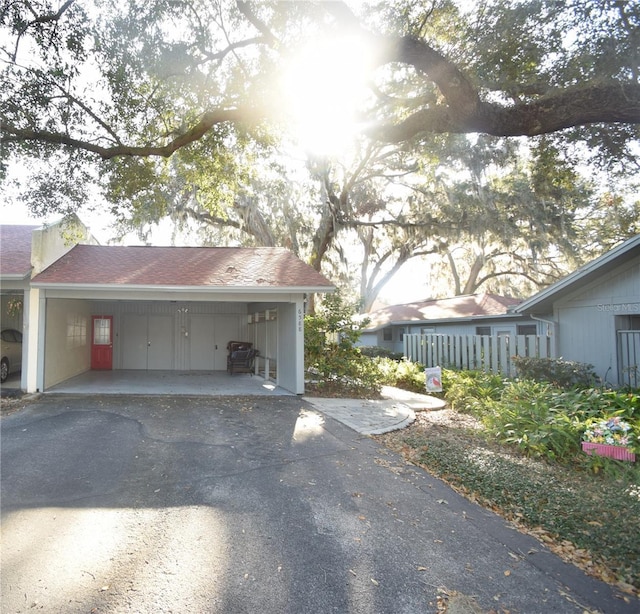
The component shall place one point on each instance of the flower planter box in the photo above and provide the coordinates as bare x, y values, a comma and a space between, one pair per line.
603, 449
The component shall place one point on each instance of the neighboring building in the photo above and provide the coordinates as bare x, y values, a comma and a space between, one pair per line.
593, 314
24, 251
472, 314
88, 306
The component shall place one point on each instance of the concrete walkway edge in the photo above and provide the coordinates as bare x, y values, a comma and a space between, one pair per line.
395, 410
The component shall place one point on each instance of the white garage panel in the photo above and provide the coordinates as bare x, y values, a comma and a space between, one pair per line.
133, 338
208, 338
160, 342
147, 341
201, 343
227, 328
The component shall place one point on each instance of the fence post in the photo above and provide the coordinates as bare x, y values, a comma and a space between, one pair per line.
457, 341
443, 357
465, 351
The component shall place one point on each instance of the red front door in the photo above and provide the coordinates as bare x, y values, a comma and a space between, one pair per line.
101, 342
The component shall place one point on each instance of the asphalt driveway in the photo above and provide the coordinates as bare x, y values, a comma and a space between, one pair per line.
154, 504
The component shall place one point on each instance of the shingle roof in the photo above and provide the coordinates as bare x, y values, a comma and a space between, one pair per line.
468, 306
15, 250
260, 267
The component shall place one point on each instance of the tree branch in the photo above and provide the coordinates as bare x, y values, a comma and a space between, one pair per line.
245, 10
592, 103
489, 276
209, 219
463, 100
46, 18
460, 107
464, 111
208, 121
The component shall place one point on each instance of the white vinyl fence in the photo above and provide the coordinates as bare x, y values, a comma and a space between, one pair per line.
474, 352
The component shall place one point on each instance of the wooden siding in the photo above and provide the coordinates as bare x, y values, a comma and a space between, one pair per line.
588, 321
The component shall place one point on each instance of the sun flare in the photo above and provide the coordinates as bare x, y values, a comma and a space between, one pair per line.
324, 87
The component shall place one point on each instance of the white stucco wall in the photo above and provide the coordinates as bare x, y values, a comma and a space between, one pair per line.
291, 346
51, 242
67, 340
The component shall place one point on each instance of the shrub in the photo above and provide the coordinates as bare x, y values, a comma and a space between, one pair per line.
374, 351
401, 374
387, 370
331, 357
529, 416
410, 376
544, 420
561, 373
469, 391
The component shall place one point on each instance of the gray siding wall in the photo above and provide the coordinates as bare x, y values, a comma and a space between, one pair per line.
588, 320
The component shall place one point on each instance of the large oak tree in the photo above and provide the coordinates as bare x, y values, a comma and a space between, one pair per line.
168, 73
166, 105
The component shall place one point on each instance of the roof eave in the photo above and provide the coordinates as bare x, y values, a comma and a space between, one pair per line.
500, 316
191, 289
15, 276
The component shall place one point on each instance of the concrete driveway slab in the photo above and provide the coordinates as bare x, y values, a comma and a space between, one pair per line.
248, 504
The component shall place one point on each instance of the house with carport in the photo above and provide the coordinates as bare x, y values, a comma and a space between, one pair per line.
149, 309
25, 250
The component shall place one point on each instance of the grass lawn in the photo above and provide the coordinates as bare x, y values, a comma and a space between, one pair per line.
591, 520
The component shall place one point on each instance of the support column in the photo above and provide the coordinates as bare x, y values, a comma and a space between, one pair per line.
35, 340
26, 301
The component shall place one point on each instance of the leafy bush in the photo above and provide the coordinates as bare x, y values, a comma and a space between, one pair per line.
409, 376
469, 391
617, 402
561, 373
544, 420
401, 374
529, 416
374, 351
332, 360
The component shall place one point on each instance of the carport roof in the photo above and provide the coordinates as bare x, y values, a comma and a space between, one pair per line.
183, 267
15, 250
